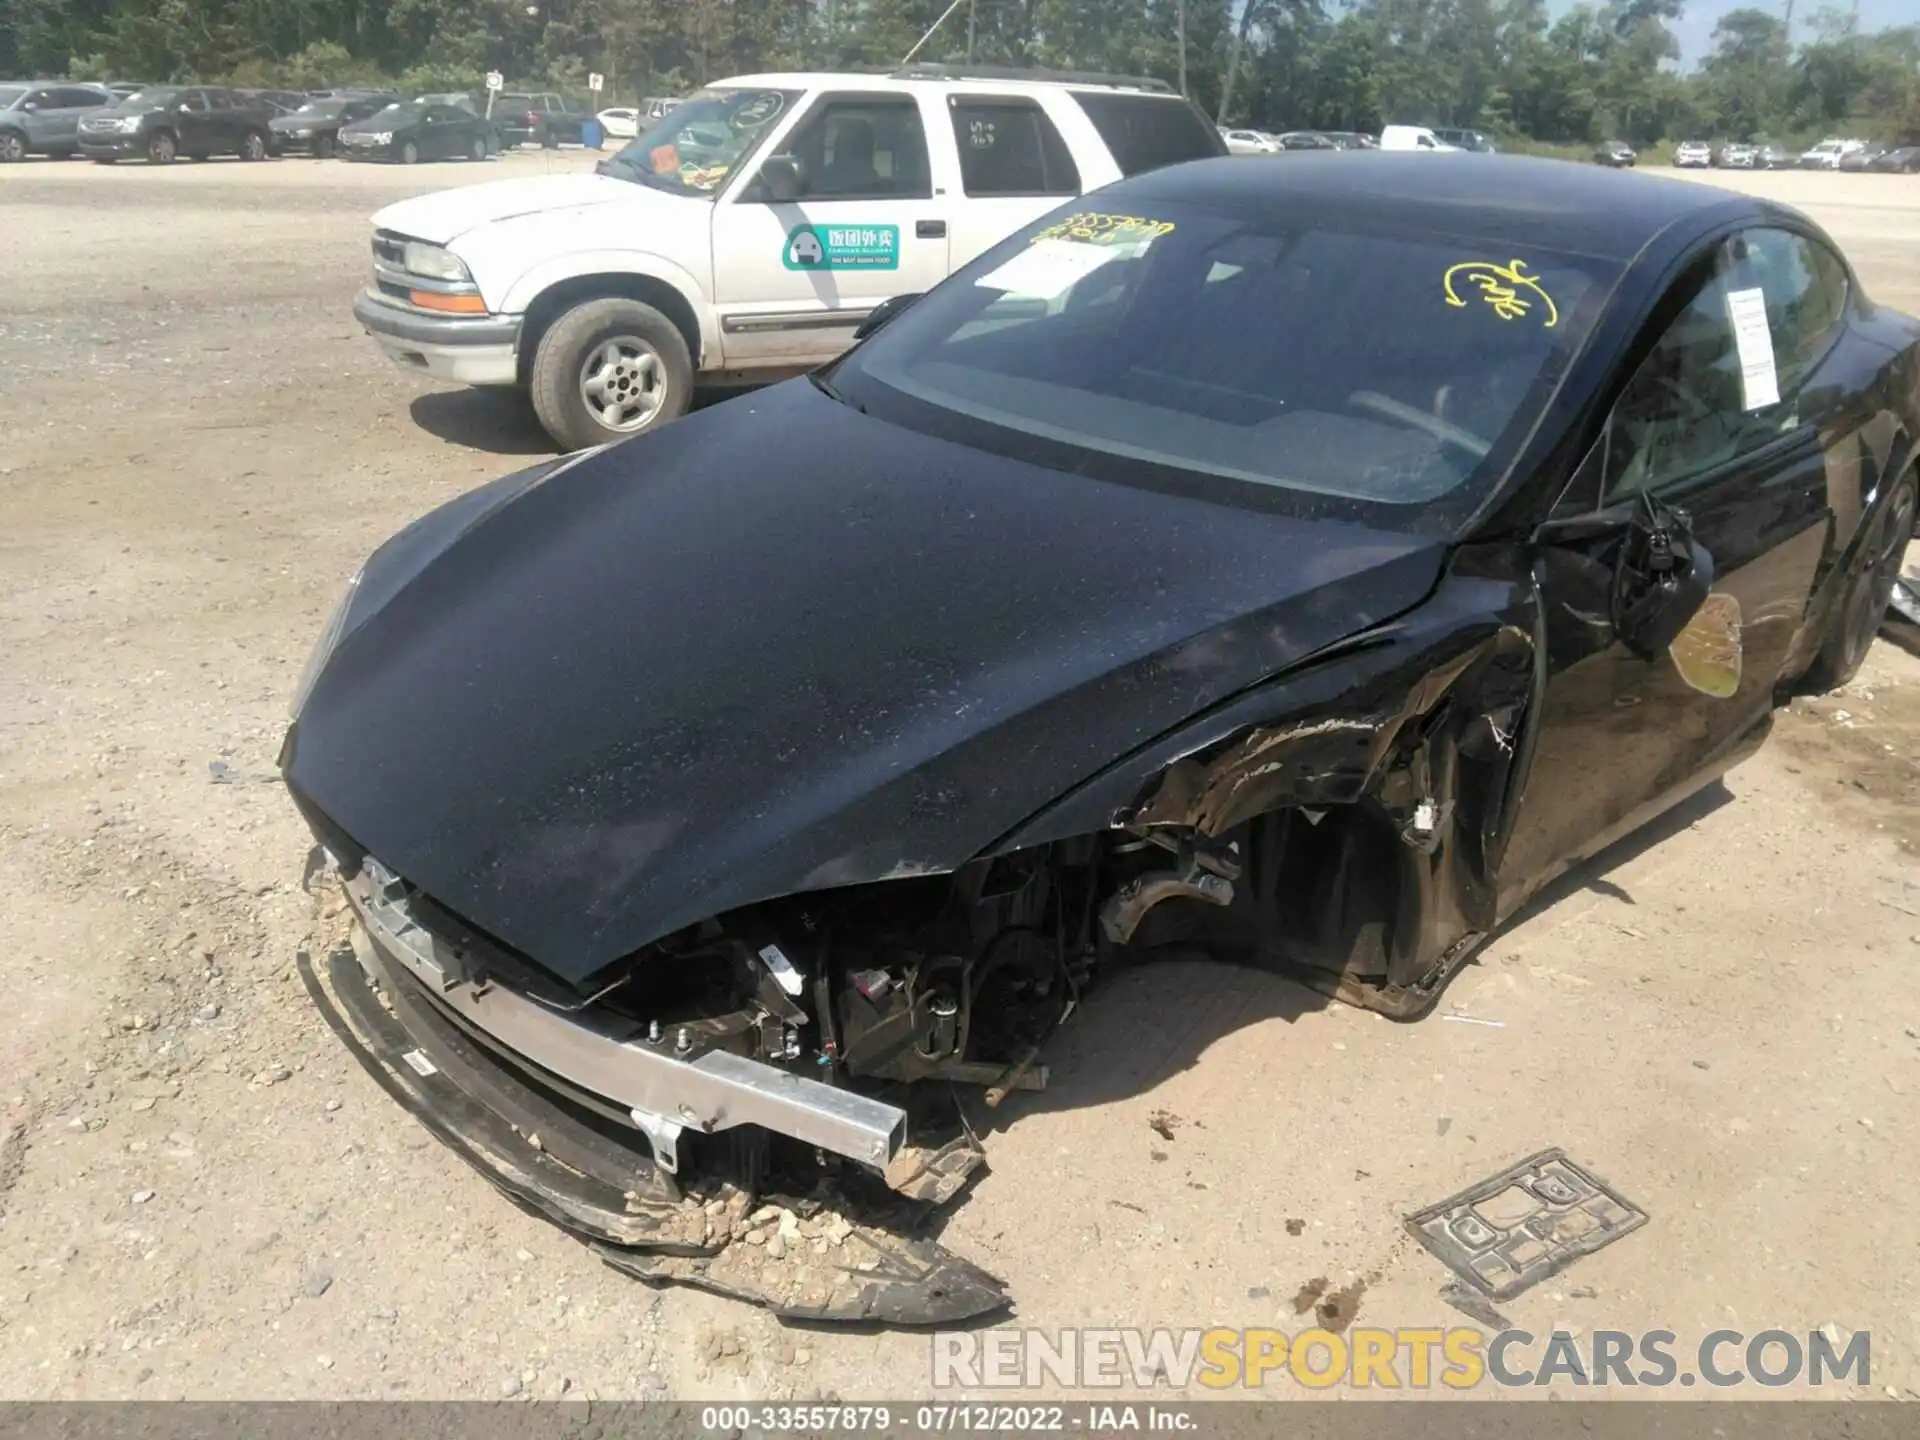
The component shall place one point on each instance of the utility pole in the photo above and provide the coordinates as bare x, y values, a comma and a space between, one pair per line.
973, 15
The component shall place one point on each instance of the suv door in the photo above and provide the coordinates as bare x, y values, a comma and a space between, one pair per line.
793, 278
1720, 424
62, 117
194, 123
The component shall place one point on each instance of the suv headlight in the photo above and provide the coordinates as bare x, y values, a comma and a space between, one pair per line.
433, 261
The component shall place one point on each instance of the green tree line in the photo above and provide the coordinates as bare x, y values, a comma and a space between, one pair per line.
1599, 71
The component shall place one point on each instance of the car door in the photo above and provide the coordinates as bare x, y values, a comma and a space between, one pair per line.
1014, 167
1725, 431
194, 123
792, 278
437, 135
62, 115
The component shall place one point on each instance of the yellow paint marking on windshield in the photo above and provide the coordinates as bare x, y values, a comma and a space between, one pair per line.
1501, 286
1098, 229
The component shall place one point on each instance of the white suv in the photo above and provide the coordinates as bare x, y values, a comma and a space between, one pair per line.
1826, 155
746, 233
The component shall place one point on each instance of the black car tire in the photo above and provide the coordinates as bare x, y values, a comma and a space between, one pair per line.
13, 147
323, 147
162, 148
409, 153
254, 146
555, 384
1862, 605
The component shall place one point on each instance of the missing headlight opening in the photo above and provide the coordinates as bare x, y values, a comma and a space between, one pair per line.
823, 1060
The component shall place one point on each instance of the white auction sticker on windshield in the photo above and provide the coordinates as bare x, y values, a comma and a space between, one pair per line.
1047, 269
1759, 381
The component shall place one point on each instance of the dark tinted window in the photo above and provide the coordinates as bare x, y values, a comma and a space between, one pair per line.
858, 146
1010, 147
76, 96
1701, 397
1145, 132
222, 100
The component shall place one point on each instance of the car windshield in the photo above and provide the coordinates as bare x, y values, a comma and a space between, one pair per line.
1390, 377
153, 97
322, 109
403, 111
694, 147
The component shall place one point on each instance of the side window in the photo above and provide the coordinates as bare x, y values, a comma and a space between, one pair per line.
1805, 286
74, 99
220, 100
1010, 147
1144, 132
195, 101
1713, 387
865, 147
40, 100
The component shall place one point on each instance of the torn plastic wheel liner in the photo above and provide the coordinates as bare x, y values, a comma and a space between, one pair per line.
801, 1259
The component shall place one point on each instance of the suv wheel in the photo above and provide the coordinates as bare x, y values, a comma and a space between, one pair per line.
161, 148
13, 147
409, 153
254, 146
1862, 605
610, 369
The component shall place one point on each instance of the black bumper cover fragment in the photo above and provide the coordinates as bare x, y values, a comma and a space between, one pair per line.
574, 1176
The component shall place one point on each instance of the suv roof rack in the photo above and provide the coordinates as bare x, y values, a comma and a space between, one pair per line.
918, 71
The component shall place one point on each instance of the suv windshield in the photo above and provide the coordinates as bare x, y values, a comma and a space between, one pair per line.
152, 98
322, 109
1391, 378
694, 147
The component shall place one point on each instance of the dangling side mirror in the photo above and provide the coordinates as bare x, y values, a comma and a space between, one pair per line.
1662, 576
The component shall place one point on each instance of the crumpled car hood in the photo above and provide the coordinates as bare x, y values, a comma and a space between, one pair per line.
782, 646
441, 217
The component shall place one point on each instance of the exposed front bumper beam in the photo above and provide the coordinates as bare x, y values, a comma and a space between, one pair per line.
715, 1091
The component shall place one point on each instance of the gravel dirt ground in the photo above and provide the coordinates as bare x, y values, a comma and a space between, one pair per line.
201, 1195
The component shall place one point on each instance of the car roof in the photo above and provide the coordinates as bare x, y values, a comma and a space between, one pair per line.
998, 84
1510, 200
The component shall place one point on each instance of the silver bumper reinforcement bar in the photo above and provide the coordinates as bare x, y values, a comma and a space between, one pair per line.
665, 1094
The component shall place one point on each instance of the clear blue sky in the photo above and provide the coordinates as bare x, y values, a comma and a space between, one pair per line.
1695, 25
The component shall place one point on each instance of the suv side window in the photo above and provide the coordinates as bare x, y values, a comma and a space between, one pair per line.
194, 101
863, 147
41, 100
1010, 147
75, 97
1701, 398
1144, 132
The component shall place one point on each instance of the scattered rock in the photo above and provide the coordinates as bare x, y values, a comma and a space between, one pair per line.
141, 1197
510, 1386
1296, 1227
144, 1103
332, 1106
525, 1257
325, 1362
271, 1076
317, 1283
1700, 1065
1584, 1292
1865, 1124
1258, 1292
209, 1011
1443, 1124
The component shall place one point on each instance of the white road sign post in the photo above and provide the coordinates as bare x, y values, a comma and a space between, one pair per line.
495, 80
595, 81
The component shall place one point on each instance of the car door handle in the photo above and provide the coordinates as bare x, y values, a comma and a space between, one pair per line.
930, 229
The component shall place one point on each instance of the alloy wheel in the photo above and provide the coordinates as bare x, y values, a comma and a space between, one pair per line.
623, 383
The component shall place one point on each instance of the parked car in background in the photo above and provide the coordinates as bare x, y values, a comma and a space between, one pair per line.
1412, 137
655, 107
1465, 139
751, 232
462, 98
121, 89
622, 122
1693, 155
1738, 155
1248, 142
409, 132
42, 117
1351, 140
1772, 157
164, 122
314, 128
1863, 158
1617, 154
544, 119
1828, 154
1902, 161
1304, 140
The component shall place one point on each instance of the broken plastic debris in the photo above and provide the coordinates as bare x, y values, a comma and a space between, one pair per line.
784, 974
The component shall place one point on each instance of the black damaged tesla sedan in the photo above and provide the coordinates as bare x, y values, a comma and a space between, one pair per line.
1298, 564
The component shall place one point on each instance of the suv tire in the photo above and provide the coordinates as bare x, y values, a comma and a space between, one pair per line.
1862, 604
608, 370
13, 147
